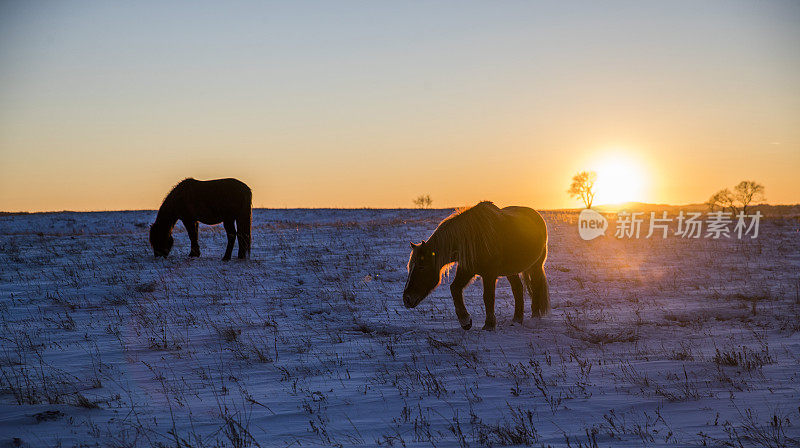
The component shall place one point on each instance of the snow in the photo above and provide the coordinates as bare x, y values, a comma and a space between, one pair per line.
651, 342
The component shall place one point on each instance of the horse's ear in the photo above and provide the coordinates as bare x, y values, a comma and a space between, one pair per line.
413, 246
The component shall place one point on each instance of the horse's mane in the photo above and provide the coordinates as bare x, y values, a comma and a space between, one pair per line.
169, 200
175, 191
470, 233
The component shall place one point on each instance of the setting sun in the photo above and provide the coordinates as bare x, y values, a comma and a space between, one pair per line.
619, 179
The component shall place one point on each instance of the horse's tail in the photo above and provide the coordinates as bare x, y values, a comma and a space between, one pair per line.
245, 221
536, 283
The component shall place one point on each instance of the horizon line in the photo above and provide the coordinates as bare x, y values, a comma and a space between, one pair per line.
6, 213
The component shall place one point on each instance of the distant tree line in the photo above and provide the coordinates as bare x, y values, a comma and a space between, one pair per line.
744, 194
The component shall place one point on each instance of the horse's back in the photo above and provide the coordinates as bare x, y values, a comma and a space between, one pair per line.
224, 188
214, 201
524, 235
526, 217
228, 185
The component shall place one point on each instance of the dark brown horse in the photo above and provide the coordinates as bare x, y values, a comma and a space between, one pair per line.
487, 241
226, 201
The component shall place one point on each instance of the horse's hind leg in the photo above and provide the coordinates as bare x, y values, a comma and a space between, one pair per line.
489, 284
230, 230
243, 232
536, 281
519, 299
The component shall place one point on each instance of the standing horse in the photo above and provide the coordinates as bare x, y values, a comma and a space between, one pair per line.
226, 201
487, 241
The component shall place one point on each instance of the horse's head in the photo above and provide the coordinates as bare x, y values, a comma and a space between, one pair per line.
423, 275
161, 242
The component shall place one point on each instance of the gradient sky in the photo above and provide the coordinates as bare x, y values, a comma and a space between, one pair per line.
105, 105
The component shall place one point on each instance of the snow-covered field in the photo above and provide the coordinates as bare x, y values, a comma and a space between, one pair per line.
650, 343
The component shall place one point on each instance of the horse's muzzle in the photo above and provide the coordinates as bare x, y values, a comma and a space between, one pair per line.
411, 301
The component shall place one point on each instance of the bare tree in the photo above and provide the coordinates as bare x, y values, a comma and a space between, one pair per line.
583, 187
748, 191
724, 200
423, 201
744, 193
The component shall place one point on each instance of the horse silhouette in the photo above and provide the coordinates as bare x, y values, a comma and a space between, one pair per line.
490, 242
226, 201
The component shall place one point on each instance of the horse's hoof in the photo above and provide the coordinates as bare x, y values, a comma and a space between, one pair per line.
468, 325
194, 255
489, 327
517, 320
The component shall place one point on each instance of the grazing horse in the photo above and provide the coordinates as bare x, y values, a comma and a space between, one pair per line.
490, 242
226, 201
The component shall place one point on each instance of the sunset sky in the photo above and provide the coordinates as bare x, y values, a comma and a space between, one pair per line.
106, 105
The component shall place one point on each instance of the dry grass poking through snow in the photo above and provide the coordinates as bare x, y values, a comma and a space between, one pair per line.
650, 343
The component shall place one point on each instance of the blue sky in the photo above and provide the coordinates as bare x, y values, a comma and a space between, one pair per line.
371, 103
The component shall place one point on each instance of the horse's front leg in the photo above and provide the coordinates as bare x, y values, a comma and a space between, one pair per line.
457, 289
192, 230
489, 283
